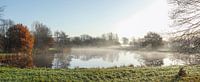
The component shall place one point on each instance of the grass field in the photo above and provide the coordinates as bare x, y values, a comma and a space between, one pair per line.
150, 74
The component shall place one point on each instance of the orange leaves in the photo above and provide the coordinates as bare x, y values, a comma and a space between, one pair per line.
19, 39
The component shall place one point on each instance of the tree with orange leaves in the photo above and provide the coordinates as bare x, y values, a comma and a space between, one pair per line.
19, 39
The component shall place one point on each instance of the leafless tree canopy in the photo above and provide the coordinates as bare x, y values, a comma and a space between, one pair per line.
185, 15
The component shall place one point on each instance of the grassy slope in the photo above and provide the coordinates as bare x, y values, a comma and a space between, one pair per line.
153, 74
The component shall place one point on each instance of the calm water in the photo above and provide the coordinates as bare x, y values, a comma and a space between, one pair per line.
98, 57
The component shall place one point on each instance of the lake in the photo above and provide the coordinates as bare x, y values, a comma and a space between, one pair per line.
103, 58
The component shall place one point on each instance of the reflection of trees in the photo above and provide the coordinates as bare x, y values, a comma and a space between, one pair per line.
58, 60
191, 59
61, 60
21, 60
153, 62
152, 59
106, 55
43, 60
156, 59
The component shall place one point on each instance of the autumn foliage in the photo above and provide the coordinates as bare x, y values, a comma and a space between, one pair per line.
19, 39
19, 42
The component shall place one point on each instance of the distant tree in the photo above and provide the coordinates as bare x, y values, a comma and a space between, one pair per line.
85, 37
133, 40
56, 36
42, 35
19, 39
153, 40
111, 39
61, 39
76, 41
125, 40
87, 40
4, 25
98, 41
139, 43
64, 40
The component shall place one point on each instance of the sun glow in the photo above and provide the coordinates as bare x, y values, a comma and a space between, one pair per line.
152, 18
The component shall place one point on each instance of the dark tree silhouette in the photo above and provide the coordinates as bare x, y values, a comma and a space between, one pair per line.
152, 40
76, 41
110, 39
4, 25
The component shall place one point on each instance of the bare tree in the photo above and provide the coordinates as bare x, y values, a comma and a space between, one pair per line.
42, 35
185, 16
4, 25
111, 38
61, 39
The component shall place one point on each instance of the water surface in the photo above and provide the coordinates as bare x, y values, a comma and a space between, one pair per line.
99, 57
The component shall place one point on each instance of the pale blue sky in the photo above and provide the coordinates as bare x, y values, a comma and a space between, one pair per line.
75, 17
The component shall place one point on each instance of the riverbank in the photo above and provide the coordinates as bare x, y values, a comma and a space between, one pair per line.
153, 74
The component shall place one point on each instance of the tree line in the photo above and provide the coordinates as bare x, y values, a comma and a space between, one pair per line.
184, 15
15, 37
18, 38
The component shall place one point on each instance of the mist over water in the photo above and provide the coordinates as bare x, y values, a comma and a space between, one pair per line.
106, 57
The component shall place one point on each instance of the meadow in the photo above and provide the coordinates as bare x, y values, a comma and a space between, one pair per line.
113, 74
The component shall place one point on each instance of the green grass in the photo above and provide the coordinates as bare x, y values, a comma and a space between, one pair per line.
150, 74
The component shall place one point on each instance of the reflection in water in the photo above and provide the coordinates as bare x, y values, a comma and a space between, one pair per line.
90, 58
43, 60
21, 60
116, 58
61, 60
152, 58
189, 59
172, 61
154, 62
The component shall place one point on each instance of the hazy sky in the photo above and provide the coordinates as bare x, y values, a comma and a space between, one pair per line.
94, 17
